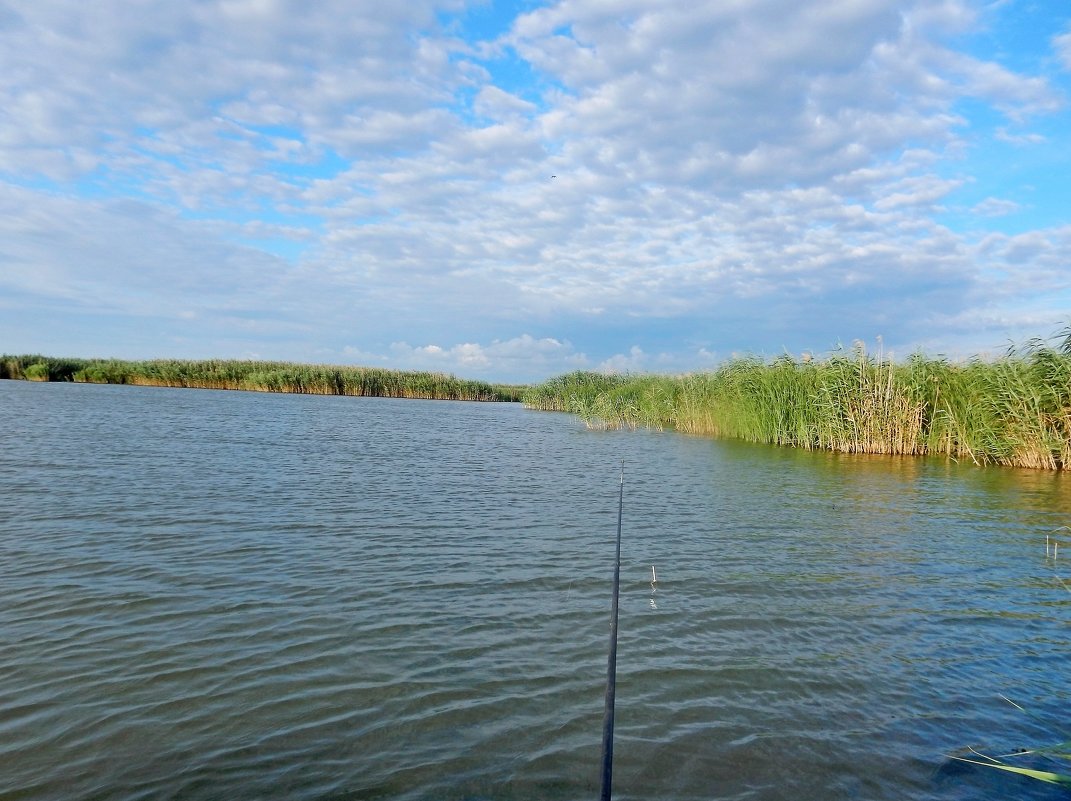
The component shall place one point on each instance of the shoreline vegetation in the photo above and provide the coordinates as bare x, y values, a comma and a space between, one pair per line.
1011, 411
1014, 410
257, 376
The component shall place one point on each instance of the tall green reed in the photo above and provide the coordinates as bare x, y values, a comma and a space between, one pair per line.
262, 376
1015, 410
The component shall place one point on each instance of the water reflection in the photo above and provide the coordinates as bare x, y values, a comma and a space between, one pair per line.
248, 596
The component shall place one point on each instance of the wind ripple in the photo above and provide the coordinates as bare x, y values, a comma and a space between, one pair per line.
226, 595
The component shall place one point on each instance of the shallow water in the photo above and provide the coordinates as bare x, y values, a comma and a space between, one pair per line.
226, 595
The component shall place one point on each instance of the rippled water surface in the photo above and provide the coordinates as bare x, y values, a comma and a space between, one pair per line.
225, 595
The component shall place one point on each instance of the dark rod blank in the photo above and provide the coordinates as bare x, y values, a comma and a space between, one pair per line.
611, 662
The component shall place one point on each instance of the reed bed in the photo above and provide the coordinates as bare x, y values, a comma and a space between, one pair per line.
257, 376
1015, 410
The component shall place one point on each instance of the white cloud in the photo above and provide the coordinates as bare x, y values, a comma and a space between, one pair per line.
175, 80
922, 191
635, 361
1062, 46
995, 207
497, 104
724, 174
127, 257
1004, 135
517, 356
1015, 94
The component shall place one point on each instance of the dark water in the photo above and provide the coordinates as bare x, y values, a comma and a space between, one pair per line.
217, 595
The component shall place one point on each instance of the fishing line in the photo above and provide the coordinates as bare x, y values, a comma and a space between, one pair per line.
611, 662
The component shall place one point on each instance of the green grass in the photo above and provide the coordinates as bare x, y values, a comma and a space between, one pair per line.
257, 376
1015, 410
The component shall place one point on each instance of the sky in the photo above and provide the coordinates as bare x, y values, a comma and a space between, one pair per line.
510, 191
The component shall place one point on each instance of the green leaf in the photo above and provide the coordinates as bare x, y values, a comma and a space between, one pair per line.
1041, 775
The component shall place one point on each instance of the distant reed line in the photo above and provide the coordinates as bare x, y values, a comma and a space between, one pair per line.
1014, 410
257, 376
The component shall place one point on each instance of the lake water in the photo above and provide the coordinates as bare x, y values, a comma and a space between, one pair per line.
227, 595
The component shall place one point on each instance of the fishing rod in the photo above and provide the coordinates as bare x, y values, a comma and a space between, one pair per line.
611, 662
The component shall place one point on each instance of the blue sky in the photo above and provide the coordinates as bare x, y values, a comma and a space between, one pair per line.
514, 190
